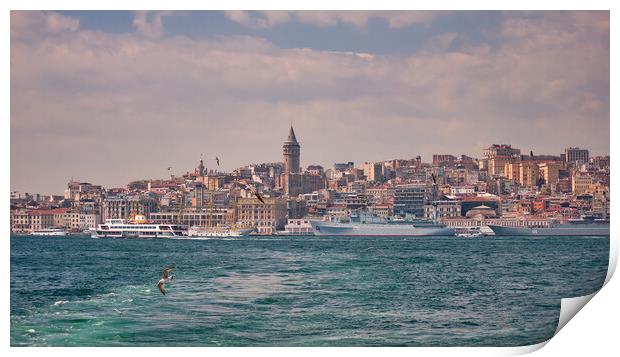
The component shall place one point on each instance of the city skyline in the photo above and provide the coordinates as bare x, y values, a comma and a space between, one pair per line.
120, 96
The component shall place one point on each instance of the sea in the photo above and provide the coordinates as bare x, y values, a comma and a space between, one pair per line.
298, 291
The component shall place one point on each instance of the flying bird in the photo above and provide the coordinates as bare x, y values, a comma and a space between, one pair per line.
217, 159
169, 167
165, 278
253, 190
259, 197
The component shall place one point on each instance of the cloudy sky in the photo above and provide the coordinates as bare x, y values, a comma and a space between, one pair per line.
108, 97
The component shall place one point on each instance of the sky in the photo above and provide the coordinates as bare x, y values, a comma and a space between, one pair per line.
108, 97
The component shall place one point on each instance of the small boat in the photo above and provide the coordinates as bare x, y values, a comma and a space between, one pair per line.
469, 234
49, 232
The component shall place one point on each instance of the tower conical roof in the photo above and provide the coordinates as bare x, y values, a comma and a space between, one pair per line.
291, 136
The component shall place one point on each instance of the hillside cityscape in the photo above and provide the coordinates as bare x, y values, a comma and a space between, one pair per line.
506, 186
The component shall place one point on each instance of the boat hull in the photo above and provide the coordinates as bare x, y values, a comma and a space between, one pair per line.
588, 230
219, 234
131, 235
55, 234
389, 230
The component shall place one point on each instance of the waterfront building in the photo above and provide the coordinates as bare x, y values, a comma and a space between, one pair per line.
442, 209
266, 218
72, 220
481, 221
41, 219
59, 216
31, 220
21, 221
77, 221
209, 217
88, 221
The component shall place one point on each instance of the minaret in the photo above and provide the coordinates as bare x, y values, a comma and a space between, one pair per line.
201, 168
291, 151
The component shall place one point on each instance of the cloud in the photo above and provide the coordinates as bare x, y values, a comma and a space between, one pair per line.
149, 23
29, 24
258, 19
80, 97
357, 19
360, 19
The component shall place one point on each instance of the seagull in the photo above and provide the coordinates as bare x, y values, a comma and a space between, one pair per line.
217, 159
253, 190
169, 167
259, 197
165, 278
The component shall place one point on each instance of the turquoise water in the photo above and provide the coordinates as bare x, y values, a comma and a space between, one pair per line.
298, 291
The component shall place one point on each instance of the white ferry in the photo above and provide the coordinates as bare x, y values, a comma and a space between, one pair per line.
121, 228
49, 232
217, 232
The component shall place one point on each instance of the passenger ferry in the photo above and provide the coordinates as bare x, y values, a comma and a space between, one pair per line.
121, 228
49, 232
